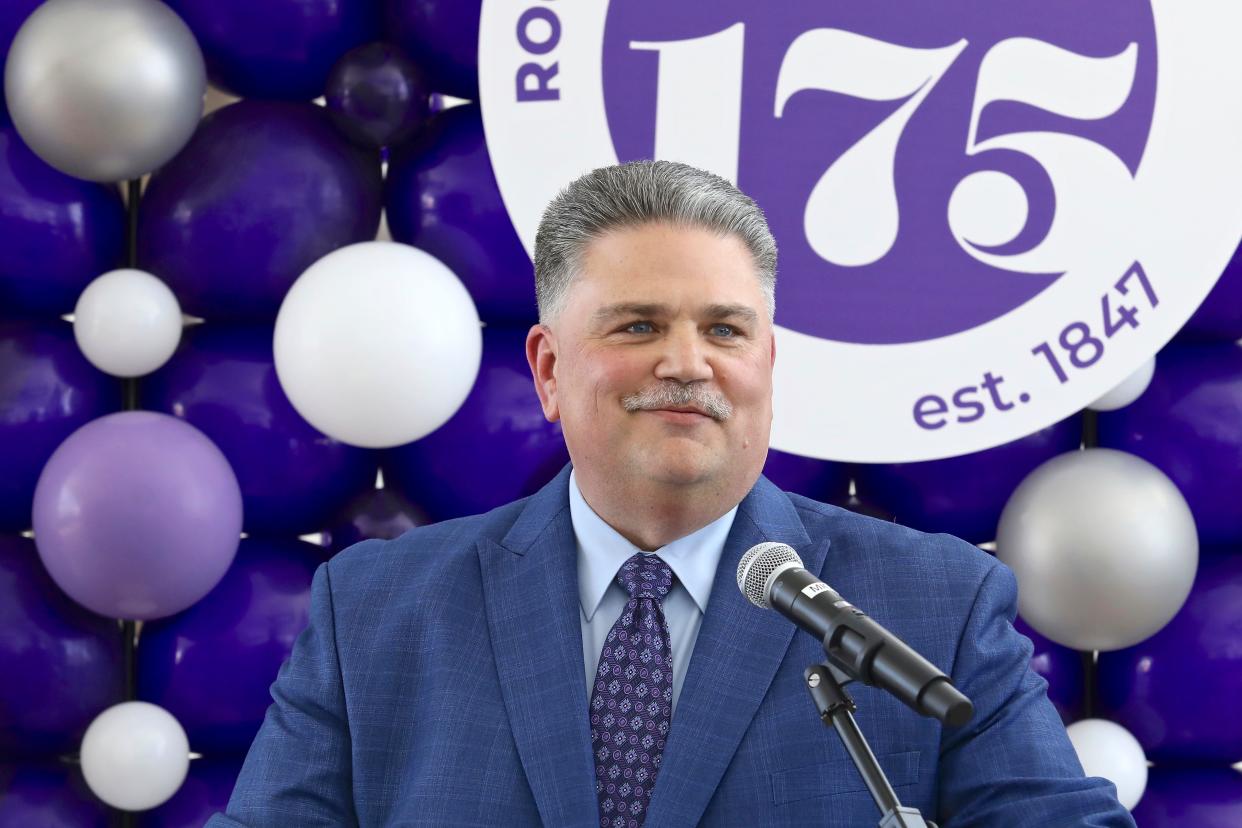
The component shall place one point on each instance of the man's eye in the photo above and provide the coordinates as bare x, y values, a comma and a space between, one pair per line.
723, 330
639, 327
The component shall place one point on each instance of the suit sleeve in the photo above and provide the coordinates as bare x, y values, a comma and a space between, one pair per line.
298, 770
1013, 763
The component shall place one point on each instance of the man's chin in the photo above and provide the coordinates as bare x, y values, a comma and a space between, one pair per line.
680, 470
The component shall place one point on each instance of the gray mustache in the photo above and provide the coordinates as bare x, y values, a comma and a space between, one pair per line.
674, 393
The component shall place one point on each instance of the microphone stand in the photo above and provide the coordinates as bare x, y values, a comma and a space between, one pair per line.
826, 686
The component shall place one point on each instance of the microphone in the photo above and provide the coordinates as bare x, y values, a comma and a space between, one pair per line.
771, 576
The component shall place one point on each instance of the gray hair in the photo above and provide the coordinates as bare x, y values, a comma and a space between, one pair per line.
637, 193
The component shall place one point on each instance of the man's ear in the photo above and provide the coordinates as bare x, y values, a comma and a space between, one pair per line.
772, 346
541, 355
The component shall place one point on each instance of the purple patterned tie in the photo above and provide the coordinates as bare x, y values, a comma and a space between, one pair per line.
631, 704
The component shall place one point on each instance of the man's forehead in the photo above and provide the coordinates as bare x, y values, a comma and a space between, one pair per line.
662, 269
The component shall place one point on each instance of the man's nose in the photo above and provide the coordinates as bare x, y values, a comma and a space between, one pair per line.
683, 357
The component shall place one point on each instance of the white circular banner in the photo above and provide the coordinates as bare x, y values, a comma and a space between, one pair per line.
988, 215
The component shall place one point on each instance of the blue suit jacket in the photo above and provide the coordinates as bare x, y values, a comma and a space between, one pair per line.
440, 683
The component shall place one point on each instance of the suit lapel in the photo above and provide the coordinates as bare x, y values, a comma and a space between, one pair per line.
736, 656
530, 587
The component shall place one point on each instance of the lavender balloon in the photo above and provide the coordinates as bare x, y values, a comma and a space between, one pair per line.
137, 515
377, 96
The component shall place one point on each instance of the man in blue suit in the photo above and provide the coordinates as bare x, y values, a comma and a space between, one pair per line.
583, 657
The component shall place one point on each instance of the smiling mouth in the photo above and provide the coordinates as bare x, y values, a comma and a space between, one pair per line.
682, 416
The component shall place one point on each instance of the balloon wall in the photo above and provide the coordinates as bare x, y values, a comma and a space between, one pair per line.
210, 345
260, 299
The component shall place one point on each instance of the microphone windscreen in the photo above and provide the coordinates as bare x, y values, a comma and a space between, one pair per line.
756, 568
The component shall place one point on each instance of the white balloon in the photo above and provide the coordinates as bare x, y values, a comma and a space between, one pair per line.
1104, 548
1108, 750
127, 323
135, 756
377, 344
1129, 390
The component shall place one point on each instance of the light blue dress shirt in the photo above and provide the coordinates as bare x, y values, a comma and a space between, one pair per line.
601, 552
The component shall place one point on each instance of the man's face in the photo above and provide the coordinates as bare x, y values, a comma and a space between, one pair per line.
659, 364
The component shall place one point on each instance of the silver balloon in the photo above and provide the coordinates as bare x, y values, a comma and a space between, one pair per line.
1104, 548
105, 90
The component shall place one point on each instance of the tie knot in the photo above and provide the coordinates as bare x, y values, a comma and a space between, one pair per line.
646, 576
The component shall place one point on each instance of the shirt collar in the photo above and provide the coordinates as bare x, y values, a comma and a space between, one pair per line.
602, 550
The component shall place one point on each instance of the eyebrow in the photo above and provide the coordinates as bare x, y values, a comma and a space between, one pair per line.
718, 311
741, 312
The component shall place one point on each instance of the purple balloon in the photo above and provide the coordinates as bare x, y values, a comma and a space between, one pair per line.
1191, 798
48, 794
262, 191
137, 515
13, 14
1178, 691
857, 505
57, 233
63, 663
443, 38
377, 96
823, 480
963, 495
206, 790
442, 196
496, 448
1187, 424
1062, 668
1219, 317
281, 49
212, 666
379, 513
47, 390
223, 382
